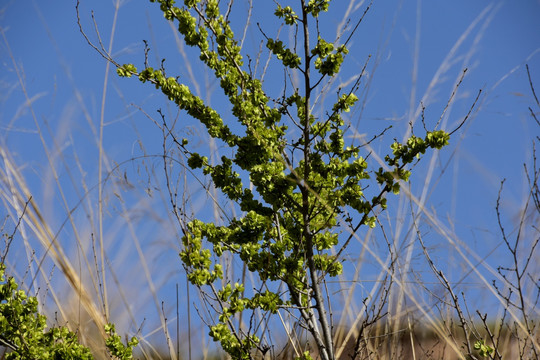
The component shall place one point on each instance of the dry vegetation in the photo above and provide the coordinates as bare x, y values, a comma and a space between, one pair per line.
96, 251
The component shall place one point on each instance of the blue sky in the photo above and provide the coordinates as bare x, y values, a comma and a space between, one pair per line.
419, 50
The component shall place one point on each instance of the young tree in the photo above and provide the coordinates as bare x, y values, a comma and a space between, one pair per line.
300, 185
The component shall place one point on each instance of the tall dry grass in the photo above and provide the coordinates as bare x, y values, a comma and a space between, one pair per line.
97, 241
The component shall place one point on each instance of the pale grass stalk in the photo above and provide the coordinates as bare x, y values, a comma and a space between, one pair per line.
288, 333
100, 162
411, 332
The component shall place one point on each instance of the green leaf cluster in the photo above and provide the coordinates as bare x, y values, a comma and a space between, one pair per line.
116, 347
23, 330
287, 57
287, 13
404, 154
328, 62
314, 7
483, 349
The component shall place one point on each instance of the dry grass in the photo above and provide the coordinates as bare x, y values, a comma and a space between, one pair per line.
98, 242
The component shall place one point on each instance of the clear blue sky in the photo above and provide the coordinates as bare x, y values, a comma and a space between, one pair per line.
419, 49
